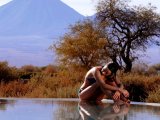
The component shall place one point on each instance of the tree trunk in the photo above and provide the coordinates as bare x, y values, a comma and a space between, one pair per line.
128, 66
128, 63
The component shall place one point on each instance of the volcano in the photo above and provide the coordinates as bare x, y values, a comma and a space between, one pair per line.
36, 17
29, 27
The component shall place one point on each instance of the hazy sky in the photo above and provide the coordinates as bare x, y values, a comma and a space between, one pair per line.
87, 7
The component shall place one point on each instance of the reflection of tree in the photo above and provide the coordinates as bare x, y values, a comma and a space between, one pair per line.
100, 111
66, 110
5, 102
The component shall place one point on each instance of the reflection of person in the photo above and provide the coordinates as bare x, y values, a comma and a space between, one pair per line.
99, 111
100, 81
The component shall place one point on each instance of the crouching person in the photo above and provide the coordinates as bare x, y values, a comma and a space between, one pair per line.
101, 81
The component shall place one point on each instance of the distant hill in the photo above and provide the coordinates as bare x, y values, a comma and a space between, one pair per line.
29, 27
36, 17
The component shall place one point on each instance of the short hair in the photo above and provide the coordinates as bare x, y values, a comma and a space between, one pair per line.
112, 66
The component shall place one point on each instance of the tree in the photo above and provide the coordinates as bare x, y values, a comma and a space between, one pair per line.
128, 29
82, 45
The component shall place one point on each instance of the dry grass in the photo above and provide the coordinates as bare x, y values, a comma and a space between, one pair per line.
140, 86
65, 83
13, 89
154, 96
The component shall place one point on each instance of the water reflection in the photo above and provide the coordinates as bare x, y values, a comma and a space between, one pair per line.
59, 109
100, 111
4, 103
143, 112
66, 111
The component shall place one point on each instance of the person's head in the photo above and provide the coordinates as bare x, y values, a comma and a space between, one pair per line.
110, 68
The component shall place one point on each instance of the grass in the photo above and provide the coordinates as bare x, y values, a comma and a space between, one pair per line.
64, 83
141, 86
154, 96
13, 89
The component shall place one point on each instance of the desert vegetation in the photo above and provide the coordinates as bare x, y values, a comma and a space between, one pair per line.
63, 82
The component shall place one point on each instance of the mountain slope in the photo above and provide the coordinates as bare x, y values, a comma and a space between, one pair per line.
29, 27
36, 17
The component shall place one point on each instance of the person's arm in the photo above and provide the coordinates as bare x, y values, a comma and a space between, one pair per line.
102, 83
119, 83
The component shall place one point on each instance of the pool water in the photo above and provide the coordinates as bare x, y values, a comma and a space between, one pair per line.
73, 109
